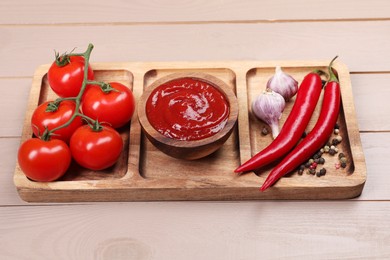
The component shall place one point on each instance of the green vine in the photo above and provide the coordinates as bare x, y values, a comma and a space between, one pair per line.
53, 106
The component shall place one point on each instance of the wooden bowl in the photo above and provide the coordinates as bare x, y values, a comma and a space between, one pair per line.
192, 149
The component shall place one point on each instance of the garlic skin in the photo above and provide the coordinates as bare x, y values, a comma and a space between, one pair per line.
268, 107
283, 83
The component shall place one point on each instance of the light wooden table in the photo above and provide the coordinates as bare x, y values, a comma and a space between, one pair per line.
358, 31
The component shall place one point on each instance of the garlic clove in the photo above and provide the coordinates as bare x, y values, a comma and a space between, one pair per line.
283, 83
268, 107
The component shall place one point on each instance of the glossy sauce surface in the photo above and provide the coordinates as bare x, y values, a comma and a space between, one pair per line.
187, 109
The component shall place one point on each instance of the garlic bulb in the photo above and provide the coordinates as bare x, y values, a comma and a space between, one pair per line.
268, 107
283, 83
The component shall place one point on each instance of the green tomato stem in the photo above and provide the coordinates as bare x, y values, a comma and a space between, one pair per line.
94, 124
46, 135
105, 87
53, 106
59, 100
77, 99
64, 59
86, 118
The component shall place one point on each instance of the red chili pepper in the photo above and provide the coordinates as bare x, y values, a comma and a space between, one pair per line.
317, 137
294, 126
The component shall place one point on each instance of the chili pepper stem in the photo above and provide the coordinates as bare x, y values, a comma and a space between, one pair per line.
332, 76
320, 72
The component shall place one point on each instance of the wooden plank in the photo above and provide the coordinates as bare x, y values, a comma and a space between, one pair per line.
314, 230
13, 104
116, 11
376, 149
201, 42
298, 230
371, 92
8, 154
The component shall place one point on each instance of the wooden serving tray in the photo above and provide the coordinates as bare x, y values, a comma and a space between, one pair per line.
143, 173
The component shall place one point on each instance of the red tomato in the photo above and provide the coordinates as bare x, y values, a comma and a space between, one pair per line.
66, 81
44, 160
41, 120
96, 150
115, 108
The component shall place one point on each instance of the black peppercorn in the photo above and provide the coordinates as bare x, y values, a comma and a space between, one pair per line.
335, 141
321, 160
316, 156
341, 155
301, 169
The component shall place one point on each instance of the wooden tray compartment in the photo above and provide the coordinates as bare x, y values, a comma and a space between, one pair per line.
144, 173
153, 162
75, 172
256, 81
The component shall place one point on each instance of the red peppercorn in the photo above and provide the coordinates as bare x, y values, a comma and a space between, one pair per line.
313, 166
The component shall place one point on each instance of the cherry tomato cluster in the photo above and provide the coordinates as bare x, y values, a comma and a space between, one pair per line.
80, 124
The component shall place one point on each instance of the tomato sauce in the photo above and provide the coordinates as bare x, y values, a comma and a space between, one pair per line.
187, 109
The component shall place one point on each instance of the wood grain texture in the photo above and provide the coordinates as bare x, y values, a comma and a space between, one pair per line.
8, 154
116, 11
13, 100
201, 42
376, 150
371, 100
307, 230
191, 31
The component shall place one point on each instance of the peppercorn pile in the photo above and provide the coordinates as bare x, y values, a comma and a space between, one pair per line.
316, 164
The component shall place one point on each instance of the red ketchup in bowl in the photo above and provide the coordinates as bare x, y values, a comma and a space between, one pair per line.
187, 109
